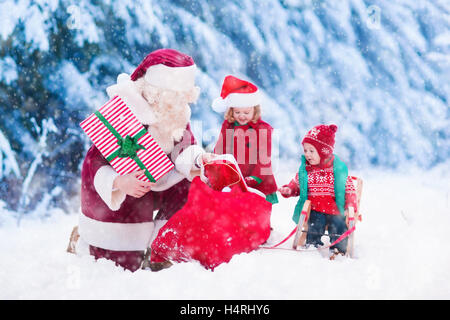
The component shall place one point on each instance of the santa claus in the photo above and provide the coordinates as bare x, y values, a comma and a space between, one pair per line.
117, 212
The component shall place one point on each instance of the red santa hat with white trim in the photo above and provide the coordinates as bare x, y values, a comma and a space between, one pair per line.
236, 93
167, 69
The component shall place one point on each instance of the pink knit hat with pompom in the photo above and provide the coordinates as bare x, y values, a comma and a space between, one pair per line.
322, 138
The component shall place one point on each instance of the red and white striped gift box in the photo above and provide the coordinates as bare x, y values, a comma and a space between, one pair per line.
125, 123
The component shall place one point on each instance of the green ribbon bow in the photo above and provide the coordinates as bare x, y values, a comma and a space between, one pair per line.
128, 146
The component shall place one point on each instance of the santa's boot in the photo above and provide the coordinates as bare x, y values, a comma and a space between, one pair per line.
74, 236
154, 263
158, 266
151, 261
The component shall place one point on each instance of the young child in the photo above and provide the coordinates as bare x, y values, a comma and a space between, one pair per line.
323, 179
245, 136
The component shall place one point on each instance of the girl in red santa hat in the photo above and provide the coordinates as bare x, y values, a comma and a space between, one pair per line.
323, 179
245, 135
205, 229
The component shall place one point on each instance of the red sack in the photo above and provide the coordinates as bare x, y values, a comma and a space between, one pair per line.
213, 225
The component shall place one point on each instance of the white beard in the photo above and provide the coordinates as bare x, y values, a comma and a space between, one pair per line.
166, 112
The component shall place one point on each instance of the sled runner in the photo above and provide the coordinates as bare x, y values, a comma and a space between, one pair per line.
353, 217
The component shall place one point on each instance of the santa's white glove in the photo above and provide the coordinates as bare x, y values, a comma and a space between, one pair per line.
202, 175
200, 163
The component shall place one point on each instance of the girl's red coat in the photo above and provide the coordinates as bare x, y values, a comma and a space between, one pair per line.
251, 145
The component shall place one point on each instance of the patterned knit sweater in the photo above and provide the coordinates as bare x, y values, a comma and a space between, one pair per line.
321, 190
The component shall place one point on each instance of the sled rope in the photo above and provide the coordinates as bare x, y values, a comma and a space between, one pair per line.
342, 237
283, 241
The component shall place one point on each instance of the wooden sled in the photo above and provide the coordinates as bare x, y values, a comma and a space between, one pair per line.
353, 217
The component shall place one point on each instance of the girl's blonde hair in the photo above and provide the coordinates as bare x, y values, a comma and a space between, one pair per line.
256, 116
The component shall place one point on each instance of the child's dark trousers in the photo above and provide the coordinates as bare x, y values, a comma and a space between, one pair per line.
316, 228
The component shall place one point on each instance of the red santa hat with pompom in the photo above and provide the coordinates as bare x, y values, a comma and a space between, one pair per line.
167, 69
236, 93
322, 138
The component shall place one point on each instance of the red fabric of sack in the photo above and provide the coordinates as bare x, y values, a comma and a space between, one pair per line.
213, 226
222, 173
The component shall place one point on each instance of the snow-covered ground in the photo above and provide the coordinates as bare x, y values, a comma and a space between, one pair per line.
402, 252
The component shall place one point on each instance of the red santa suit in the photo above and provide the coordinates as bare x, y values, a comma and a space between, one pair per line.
120, 227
